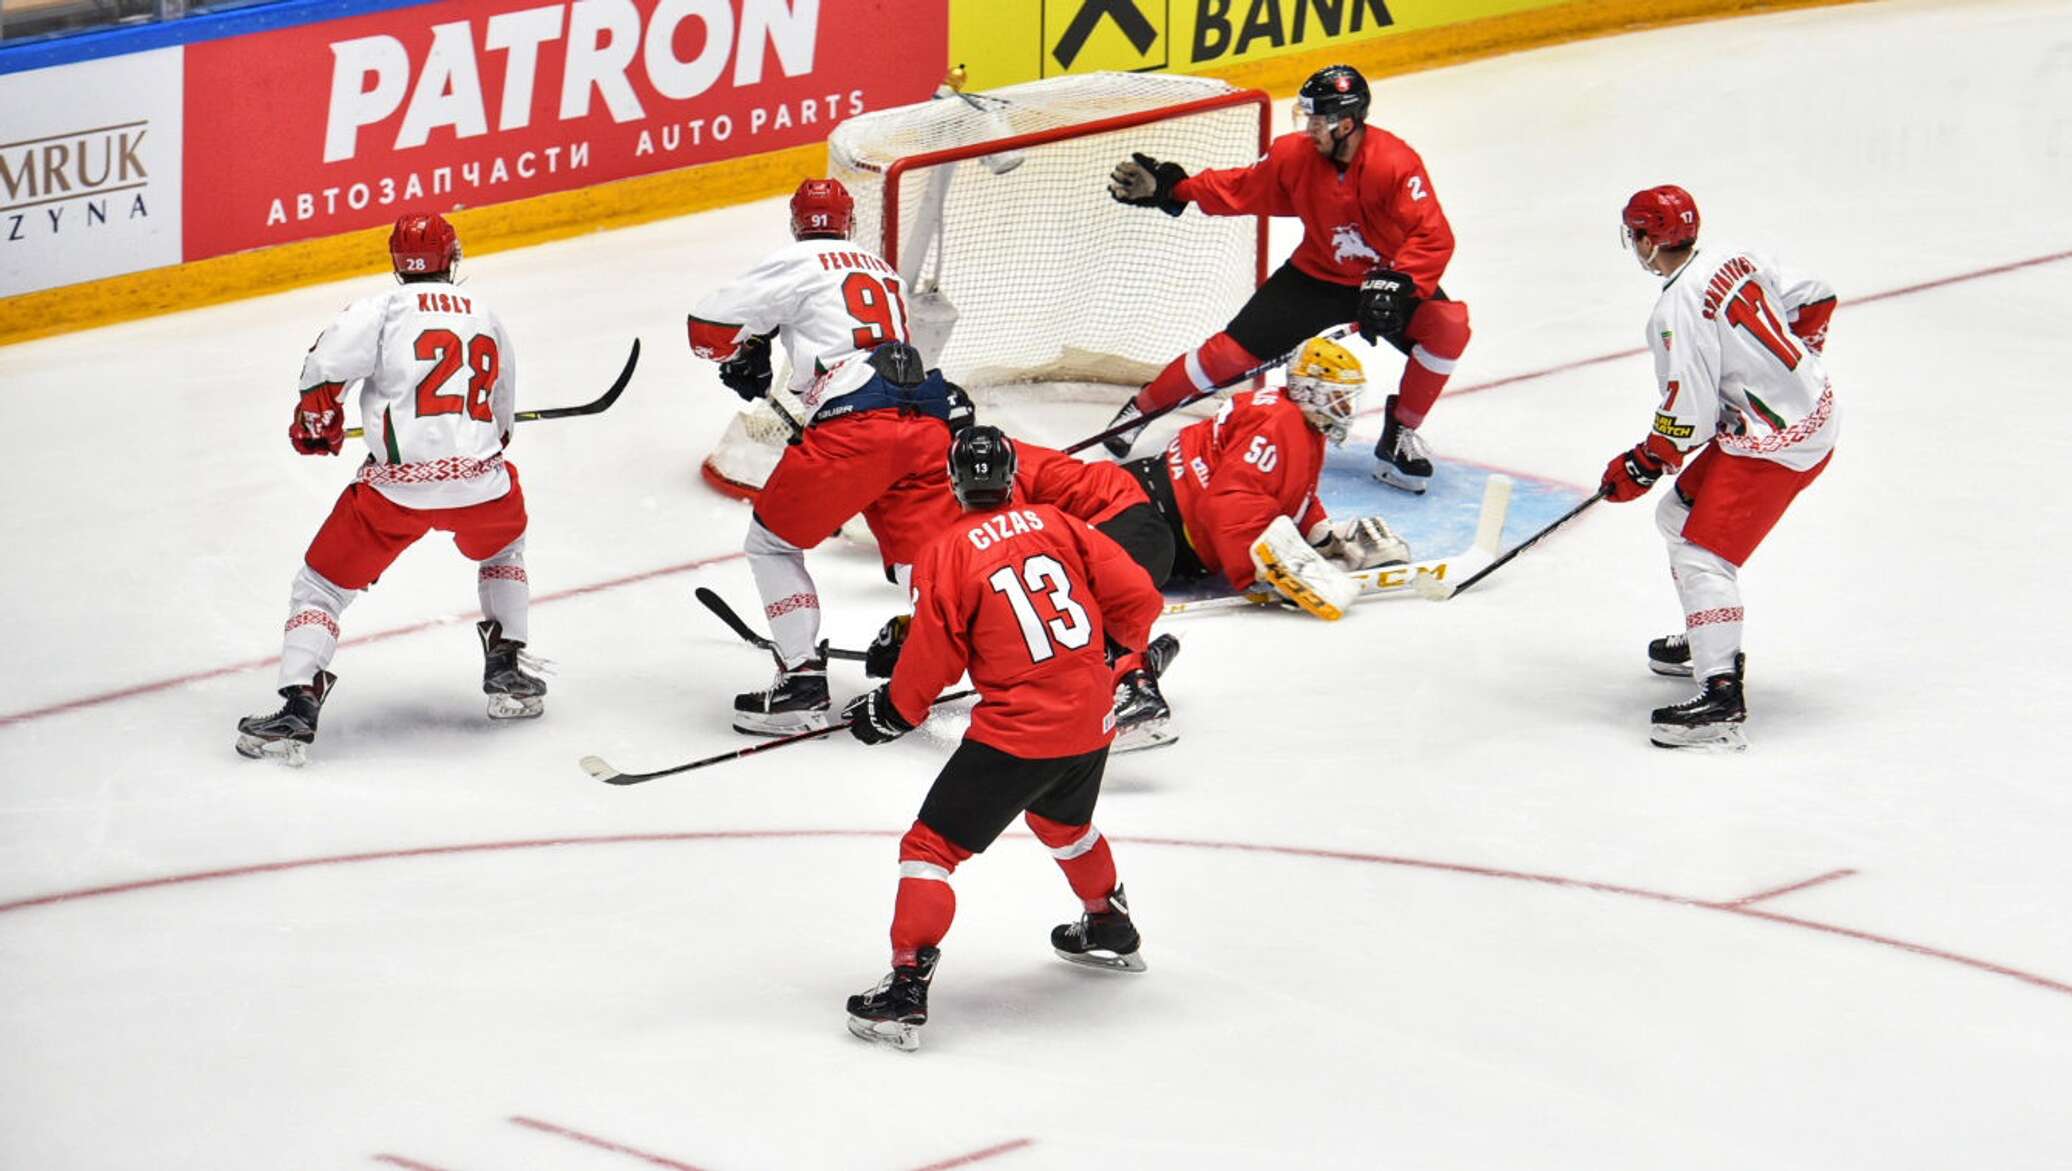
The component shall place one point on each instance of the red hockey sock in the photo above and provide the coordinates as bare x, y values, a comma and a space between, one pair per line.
926, 904
1082, 853
1215, 361
1440, 334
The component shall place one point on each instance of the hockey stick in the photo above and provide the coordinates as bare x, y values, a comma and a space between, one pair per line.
594, 406
726, 614
1332, 334
1439, 591
596, 766
1390, 580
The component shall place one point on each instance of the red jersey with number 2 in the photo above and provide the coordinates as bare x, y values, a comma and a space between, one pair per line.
1025, 598
1257, 459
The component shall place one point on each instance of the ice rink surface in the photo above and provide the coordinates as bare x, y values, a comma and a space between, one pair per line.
1414, 888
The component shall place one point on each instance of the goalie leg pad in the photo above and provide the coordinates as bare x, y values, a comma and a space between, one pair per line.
1283, 560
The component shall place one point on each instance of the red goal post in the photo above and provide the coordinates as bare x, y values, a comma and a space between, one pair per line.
1021, 275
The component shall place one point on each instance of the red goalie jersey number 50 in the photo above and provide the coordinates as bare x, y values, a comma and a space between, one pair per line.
444, 349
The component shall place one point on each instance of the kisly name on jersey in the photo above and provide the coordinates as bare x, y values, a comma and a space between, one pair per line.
444, 303
1724, 280
995, 529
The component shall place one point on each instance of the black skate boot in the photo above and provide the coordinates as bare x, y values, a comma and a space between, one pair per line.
514, 693
796, 702
1670, 655
893, 1012
1119, 445
287, 734
1107, 940
1711, 719
1141, 714
1406, 459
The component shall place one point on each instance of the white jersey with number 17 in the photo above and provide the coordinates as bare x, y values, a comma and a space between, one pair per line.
438, 396
1729, 366
829, 301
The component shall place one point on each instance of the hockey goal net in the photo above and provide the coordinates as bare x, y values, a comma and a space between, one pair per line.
1024, 280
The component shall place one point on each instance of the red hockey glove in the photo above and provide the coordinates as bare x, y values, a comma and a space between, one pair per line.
1632, 473
1810, 323
319, 426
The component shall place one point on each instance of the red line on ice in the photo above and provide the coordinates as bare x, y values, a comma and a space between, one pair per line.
1773, 892
1555, 880
406, 1164
601, 1144
978, 1155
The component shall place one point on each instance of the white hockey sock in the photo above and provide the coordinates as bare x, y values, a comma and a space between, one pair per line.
791, 603
1709, 587
506, 594
311, 636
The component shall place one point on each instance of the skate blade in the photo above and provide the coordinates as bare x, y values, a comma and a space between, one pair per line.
516, 707
1106, 961
293, 753
1388, 474
1712, 738
894, 1034
1674, 670
1143, 738
782, 724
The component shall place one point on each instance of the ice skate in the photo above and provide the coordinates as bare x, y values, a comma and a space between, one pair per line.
1711, 719
1119, 445
1670, 655
893, 1012
514, 693
1142, 717
287, 734
796, 702
1105, 940
1406, 459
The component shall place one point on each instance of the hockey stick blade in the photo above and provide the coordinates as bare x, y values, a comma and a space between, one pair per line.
597, 767
1522, 546
594, 406
726, 614
1332, 334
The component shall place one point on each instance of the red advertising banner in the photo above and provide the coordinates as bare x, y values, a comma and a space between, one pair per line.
324, 128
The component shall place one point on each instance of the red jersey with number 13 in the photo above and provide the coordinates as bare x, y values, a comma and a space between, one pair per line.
1024, 598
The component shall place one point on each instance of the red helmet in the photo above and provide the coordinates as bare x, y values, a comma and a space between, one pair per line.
423, 244
821, 207
1666, 215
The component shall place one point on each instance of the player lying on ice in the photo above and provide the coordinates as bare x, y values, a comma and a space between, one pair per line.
1238, 492
1747, 413
1023, 597
438, 396
873, 438
1374, 245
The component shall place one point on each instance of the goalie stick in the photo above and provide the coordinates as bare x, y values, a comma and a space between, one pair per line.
597, 767
1417, 576
1437, 591
594, 406
726, 614
1332, 334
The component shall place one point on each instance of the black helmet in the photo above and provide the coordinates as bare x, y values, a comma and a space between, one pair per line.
982, 468
1335, 91
900, 363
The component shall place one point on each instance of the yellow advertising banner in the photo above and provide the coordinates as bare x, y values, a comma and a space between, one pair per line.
1002, 42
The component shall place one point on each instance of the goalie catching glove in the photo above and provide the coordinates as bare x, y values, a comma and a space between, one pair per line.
747, 371
1362, 543
873, 719
1142, 181
1299, 573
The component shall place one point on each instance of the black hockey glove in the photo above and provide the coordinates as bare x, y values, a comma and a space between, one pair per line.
1142, 181
883, 654
963, 412
1387, 299
873, 719
747, 373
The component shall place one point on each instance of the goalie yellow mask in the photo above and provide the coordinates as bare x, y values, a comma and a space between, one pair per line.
1325, 380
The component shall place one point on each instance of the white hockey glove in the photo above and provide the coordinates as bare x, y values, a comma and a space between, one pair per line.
1361, 543
1283, 560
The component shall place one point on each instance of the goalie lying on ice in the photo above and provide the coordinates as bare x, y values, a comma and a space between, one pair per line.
1240, 490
